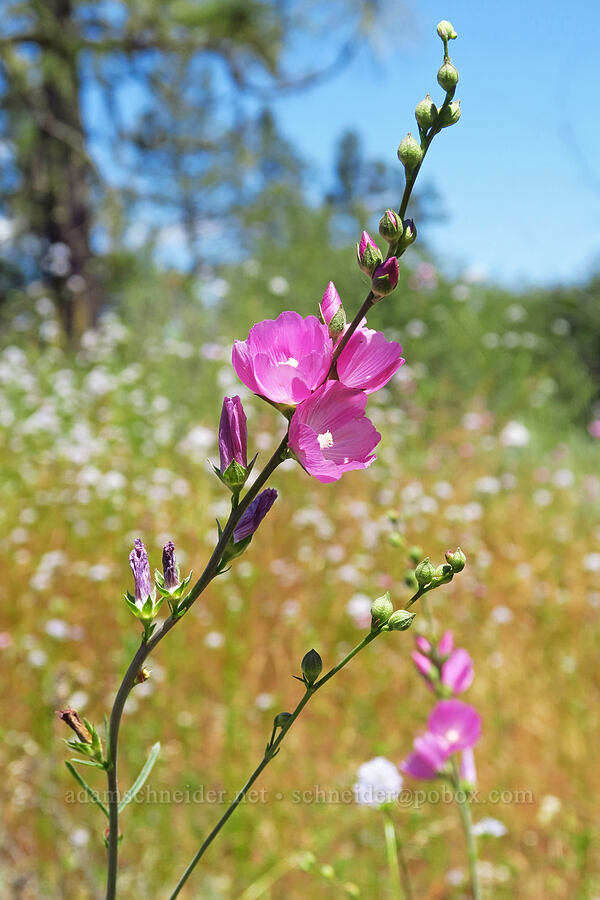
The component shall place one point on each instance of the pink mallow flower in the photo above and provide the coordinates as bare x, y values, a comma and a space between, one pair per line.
330, 434
452, 668
453, 726
368, 360
284, 359
458, 672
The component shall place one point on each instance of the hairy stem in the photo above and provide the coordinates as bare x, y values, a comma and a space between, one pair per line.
146, 648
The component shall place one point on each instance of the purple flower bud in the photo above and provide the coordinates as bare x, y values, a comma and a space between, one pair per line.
423, 644
385, 277
423, 664
366, 241
232, 434
254, 515
170, 566
138, 560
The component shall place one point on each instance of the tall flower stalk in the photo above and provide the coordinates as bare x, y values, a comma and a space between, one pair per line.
318, 372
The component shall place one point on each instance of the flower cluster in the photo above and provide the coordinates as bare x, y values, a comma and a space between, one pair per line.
292, 363
453, 726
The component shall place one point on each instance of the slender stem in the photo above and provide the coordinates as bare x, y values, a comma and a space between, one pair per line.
146, 648
270, 752
391, 846
393, 250
464, 806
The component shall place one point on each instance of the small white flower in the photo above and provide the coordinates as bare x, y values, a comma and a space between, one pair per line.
379, 782
515, 434
591, 562
502, 615
489, 826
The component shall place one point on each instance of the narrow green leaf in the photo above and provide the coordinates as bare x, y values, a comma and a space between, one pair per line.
141, 779
88, 762
89, 791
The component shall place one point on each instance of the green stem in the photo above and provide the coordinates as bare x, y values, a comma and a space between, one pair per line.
464, 806
391, 846
147, 647
271, 751
370, 300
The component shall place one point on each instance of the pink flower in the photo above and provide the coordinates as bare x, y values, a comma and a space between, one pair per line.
594, 428
468, 772
427, 759
284, 359
452, 726
457, 672
423, 664
446, 644
330, 303
385, 277
368, 360
330, 434
456, 724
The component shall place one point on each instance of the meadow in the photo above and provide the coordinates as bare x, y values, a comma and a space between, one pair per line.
485, 445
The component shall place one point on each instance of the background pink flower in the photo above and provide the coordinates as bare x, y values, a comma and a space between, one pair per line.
284, 359
330, 434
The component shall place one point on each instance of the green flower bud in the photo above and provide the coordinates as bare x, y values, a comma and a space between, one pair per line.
450, 114
426, 113
381, 610
415, 554
409, 235
351, 889
424, 572
409, 152
400, 620
396, 539
390, 226
281, 719
312, 666
409, 579
443, 574
456, 559
327, 871
447, 76
446, 31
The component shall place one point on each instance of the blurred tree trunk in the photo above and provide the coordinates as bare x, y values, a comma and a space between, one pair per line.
58, 171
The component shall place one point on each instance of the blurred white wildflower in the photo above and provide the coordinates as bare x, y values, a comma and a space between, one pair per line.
379, 782
591, 562
214, 639
278, 285
502, 615
359, 609
514, 434
489, 826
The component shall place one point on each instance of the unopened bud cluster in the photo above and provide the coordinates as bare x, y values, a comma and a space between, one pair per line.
428, 576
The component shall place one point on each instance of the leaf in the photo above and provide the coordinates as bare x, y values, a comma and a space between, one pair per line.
88, 762
89, 791
141, 779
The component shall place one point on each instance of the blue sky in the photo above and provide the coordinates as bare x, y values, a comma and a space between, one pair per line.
520, 173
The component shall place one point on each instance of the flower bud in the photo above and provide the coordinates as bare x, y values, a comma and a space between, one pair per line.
446, 644
443, 574
447, 75
409, 152
381, 610
423, 644
254, 515
312, 666
446, 31
138, 560
415, 554
426, 113
456, 559
142, 675
450, 114
368, 254
409, 235
170, 573
281, 719
72, 718
332, 312
232, 443
424, 572
400, 620
385, 277
390, 226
